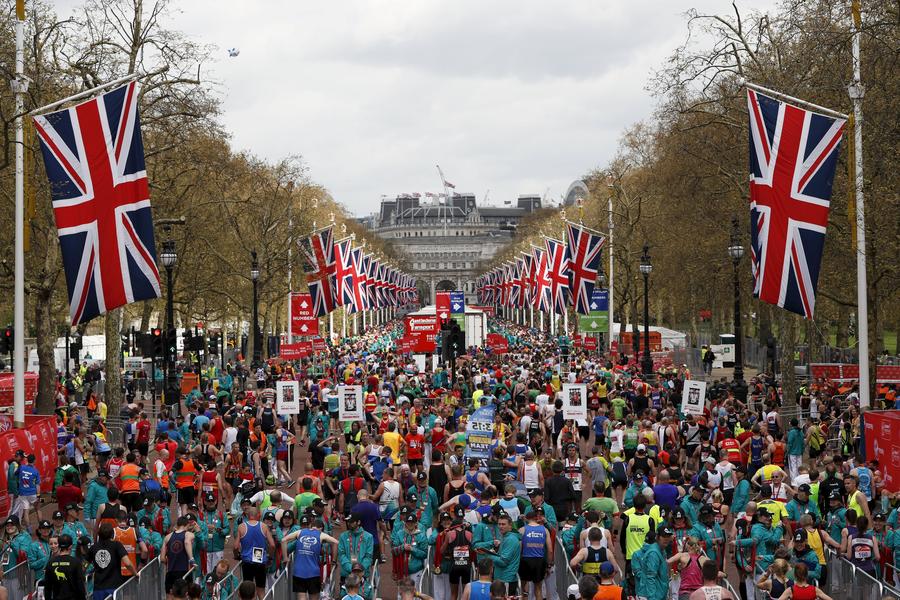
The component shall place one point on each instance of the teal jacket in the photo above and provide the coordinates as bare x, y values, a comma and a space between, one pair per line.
568, 536
217, 528
767, 540
550, 516
427, 502
710, 539
419, 543
651, 572
154, 540
631, 492
506, 561
97, 494
76, 530
811, 560
359, 543
795, 442
38, 554
741, 497
691, 509
795, 510
483, 535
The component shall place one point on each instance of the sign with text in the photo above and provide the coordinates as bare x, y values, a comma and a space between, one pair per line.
295, 351
287, 397
488, 310
457, 303
598, 320
350, 403
303, 319
442, 304
497, 343
693, 397
574, 399
589, 343
318, 344
480, 433
881, 434
422, 330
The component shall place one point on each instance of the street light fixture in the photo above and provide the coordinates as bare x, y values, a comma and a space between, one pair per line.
168, 257
646, 269
736, 252
254, 276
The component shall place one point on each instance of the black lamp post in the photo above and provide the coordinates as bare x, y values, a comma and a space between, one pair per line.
254, 276
736, 252
169, 257
646, 268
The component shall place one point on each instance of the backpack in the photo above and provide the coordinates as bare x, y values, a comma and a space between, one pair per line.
351, 498
267, 421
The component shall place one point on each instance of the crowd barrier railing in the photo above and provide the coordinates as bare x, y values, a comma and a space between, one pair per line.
565, 576
19, 581
149, 583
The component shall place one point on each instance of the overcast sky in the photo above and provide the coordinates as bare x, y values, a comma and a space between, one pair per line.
509, 96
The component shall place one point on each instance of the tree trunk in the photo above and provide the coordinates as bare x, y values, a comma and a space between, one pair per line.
787, 337
113, 389
46, 342
146, 312
842, 339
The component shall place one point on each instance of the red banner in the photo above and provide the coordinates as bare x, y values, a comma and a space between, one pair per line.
589, 343
6, 389
850, 372
576, 340
442, 302
422, 331
488, 310
296, 351
303, 320
38, 438
882, 437
497, 344
404, 345
318, 344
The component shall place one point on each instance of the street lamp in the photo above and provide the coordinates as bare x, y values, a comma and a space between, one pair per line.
169, 257
254, 276
646, 269
736, 252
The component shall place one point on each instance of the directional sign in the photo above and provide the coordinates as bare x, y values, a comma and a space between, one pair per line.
303, 321
457, 302
598, 320
442, 304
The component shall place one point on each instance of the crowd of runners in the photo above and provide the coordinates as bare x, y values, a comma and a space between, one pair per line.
642, 500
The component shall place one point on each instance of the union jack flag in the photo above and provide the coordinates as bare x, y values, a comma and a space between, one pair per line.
372, 282
515, 284
541, 298
793, 154
558, 274
583, 255
94, 157
317, 255
344, 272
362, 278
529, 279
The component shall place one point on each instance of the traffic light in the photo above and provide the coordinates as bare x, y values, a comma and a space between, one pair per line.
126, 343
213, 344
171, 343
75, 346
9, 339
157, 342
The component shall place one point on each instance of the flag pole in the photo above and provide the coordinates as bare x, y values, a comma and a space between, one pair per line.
20, 86
611, 185
795, 100
856, 92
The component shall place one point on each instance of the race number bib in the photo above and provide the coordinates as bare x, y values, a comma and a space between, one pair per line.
461, 556
257, 556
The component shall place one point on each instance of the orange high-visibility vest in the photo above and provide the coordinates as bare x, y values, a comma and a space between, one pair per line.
187, 476
130, 476
128, 538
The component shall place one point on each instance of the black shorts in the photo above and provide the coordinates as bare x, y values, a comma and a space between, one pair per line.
303, 585
255, 573
143, 448
532, 569
416, 462
459, 575
172, 577
584, 432
728, 496
814, 453
187, 495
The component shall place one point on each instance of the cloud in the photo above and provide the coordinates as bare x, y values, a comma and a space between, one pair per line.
515, 97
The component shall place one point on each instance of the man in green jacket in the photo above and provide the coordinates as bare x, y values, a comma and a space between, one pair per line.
765, 537
507, 556
97, 494
413, 541
486, 534
355, 546
651, 571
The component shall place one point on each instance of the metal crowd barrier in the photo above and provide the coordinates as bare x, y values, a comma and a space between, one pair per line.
149, 583
233, 577
426, 582
565, 576
19, 581
846, 581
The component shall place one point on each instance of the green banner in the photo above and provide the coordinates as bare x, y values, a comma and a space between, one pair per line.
596, 322
459, 318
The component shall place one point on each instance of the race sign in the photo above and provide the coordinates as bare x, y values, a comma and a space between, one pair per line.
350, 403
497, 344
295, 351
442, 304
422, 330
480, 434
303, 317
574, 399
693, 397
287, 397
589, 343
457, 303
598, 319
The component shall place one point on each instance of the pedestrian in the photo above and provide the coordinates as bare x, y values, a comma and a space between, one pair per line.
177, 554
307, 570
109, 560
711, 590
254, 545
65, 578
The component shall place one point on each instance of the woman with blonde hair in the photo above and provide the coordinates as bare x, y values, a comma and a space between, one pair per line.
774, 580
689, 565
802, 589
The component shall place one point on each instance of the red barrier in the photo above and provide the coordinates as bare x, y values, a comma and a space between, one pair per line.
850, 372
882, 437
38, 438
6, 389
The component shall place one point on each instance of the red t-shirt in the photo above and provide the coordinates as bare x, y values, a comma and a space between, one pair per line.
415, 446
216, 430
356, 482
66, 494
143, 432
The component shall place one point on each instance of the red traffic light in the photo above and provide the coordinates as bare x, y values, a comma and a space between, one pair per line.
157, 332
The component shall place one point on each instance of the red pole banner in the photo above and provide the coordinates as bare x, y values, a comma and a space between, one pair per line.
303, 318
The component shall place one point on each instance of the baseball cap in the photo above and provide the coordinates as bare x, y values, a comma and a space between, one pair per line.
72, 506
287, 514
536, 492
706, 509
12, 520
698, 488
678, 513
422, 476
710, 460
606, 568
445, 515
58, 515
354, 518
209, 497
765, 490
834, 495
763, 512
190, 517
804, 487
45, 524
102, 473
879, 516
318, 502
356, 567
210, 579
665, 530
638, 475
305, 520
412, 497
641, 447
411, 518
800, 536
572, 517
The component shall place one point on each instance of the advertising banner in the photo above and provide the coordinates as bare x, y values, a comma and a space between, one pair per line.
303, 319
881, 434
287, 397
693, 397
296, 351
589, 343
6, 389
480, 434
318, 344
497, 344
442, 302
850, 372
598, 320
422, 330
350, 403
38, 438
574, 399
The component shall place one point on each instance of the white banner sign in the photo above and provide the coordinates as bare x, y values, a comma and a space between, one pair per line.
723, 354
693, 397
134, 363
574, 399
350, 403
287, 398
